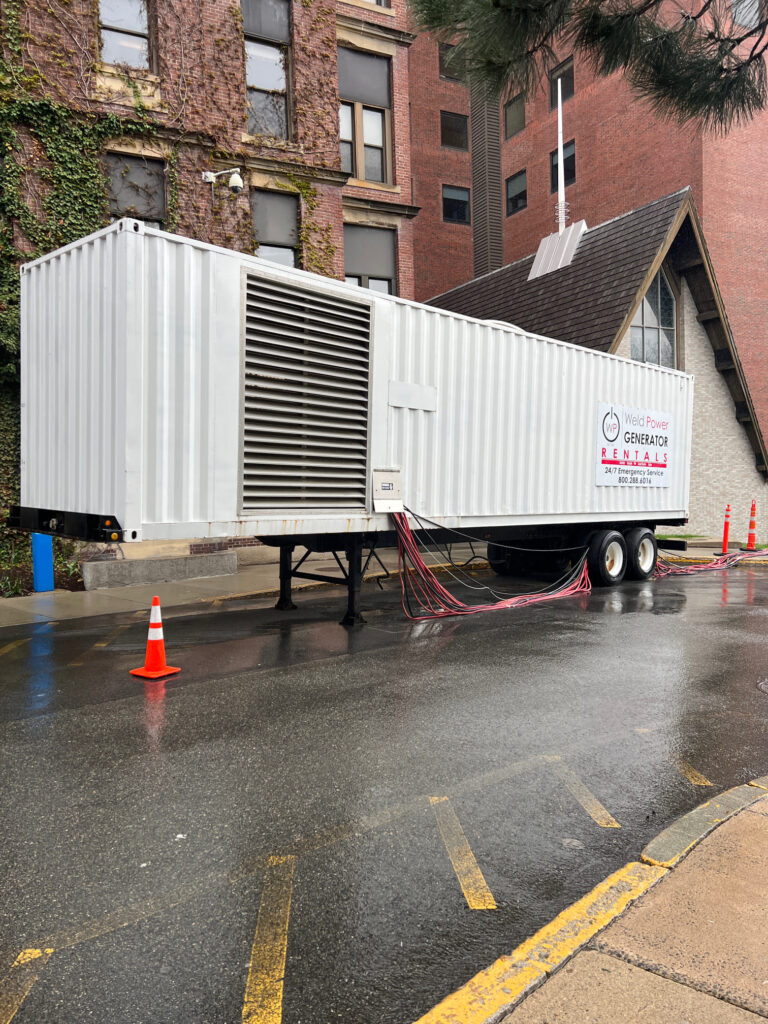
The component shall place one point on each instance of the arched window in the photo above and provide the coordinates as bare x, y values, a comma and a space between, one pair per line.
653, 333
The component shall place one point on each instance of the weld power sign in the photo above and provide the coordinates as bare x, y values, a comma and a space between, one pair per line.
634, 447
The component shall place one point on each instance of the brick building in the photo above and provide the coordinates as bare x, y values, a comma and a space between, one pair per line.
618, 156
258, 86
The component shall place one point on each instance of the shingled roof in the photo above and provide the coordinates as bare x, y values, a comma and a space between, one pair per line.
586, 302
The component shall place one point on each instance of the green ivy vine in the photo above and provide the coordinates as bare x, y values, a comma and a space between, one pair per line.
52, 186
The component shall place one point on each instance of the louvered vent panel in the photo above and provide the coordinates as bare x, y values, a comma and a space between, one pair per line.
305, 431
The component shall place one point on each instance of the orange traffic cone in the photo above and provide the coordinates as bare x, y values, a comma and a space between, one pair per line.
154, 661
752, 529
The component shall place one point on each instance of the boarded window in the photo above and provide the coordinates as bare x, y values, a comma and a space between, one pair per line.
136, 187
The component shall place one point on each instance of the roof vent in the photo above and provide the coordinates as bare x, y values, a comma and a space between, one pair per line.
557, 250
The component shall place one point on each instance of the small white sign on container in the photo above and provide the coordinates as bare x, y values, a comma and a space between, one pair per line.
634, 446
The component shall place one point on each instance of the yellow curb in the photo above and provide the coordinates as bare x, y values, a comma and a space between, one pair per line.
504, 983
671, 845
761, 783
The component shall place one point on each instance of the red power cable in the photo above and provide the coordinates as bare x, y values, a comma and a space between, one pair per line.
419, 585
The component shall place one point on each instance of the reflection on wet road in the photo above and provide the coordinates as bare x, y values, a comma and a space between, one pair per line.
316, 824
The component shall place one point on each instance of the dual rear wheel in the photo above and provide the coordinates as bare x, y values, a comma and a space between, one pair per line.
613, 555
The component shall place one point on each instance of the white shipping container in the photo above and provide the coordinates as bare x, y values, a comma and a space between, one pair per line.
192, 391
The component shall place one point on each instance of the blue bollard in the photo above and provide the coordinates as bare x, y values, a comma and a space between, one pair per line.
42, 562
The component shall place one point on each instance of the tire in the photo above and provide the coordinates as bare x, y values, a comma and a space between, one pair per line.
607, 558
641, 553
499, 560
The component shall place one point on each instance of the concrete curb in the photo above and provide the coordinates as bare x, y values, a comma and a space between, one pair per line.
495, 992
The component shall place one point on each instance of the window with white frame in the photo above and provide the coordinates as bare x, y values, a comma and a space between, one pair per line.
276, 226
267, 31
653, 334
365, 130
124, 26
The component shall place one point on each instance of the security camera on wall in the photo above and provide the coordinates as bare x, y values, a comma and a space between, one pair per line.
235, 180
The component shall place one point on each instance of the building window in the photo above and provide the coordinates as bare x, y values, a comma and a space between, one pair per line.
456, 204
276, 226
454, 130
365, 131
124, 32
569, 165
267, 30
369, 258
517, 192
652, 334
514, 116
445, 64
136, 187
564, 72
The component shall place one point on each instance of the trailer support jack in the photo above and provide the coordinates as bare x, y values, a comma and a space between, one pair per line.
285, 602
353, 616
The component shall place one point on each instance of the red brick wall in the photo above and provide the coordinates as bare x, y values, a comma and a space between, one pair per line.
442, 252
625, 158
734, 217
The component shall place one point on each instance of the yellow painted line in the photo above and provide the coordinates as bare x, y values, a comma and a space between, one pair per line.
102, 643
586, 798
497, 989
18, 982
113, 635
691, 774
761, 783
473, 885
13, 645
263, 1003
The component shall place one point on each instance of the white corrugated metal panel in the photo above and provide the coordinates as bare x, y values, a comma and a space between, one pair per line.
305, 428
194, 391
73, 385
514, 432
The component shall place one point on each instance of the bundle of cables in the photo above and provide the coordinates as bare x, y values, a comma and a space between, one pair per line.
424, 597
728, 561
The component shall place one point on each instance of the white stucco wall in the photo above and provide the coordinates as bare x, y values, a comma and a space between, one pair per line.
722, 461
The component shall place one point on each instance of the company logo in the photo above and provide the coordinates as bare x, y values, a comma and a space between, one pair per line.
611, 426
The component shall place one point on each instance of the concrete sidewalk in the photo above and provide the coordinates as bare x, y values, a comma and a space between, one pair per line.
251, 580
679, 936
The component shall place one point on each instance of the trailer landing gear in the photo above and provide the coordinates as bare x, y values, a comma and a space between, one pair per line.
352, 576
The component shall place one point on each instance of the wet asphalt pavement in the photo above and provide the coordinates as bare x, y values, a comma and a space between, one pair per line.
145, 826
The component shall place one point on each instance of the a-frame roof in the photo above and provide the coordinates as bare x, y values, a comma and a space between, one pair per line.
591, 301
586, 302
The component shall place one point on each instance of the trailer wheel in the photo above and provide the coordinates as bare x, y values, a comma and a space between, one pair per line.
607, 558
499, 560
641, 553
